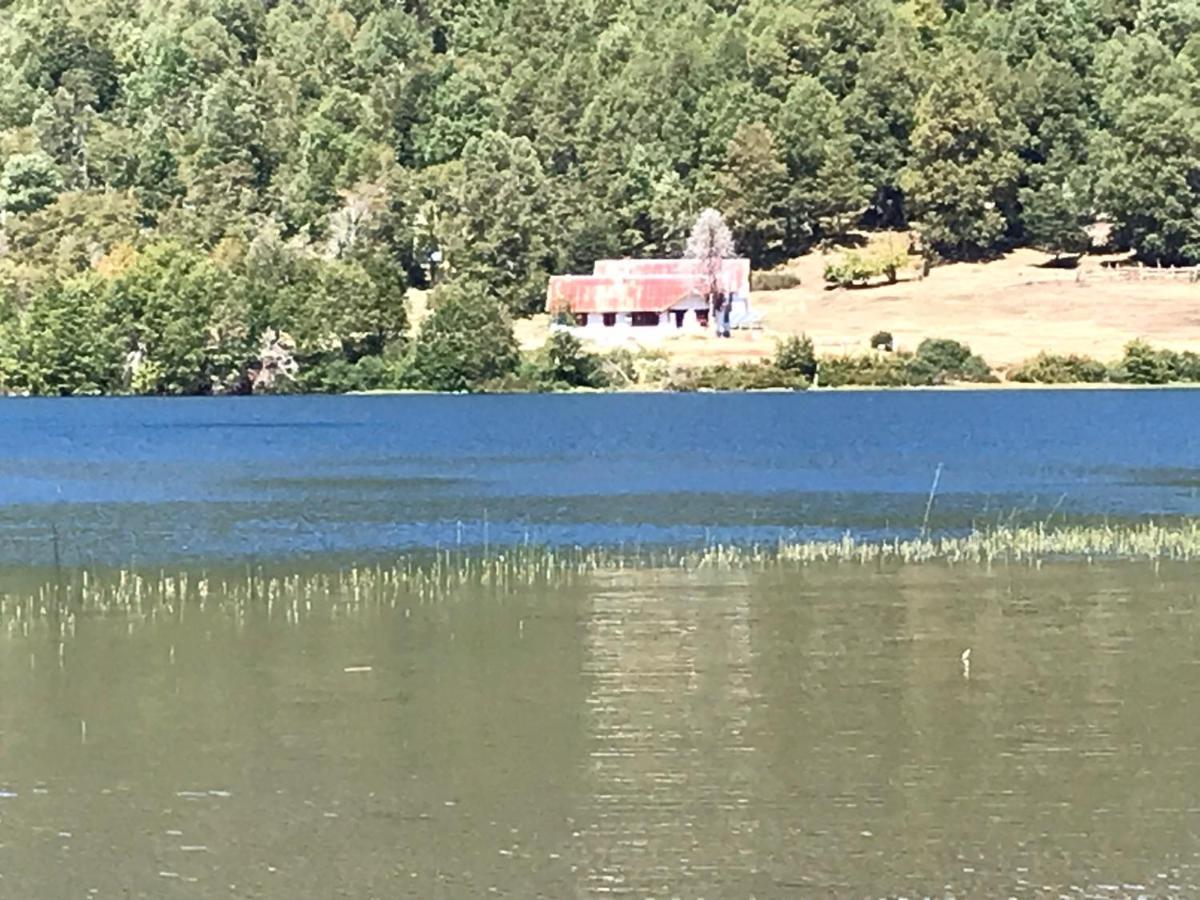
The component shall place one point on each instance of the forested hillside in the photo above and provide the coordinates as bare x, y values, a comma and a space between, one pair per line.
209, 195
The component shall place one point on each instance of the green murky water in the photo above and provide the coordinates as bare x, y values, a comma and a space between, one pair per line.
732, 734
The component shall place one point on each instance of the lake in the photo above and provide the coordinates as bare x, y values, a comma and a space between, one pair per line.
804, 733
158, 481
250, 693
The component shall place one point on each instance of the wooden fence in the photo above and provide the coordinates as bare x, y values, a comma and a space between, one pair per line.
1189, 274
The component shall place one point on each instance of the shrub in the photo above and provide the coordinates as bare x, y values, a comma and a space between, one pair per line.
884, 257
893, 370
563, 362
943, 353
796, 355
338, 375
523, 381
773, 281
882, 340
1142, 364
747, 376
1051, 368
1187, 367
623, 367
852, 269
936, 361
942, 359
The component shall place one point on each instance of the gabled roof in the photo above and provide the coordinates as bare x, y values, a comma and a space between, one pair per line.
603, 294
735, 273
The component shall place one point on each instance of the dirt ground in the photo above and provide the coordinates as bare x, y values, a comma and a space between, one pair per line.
1007, 311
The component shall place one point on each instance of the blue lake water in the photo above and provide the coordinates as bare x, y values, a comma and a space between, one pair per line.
179, 480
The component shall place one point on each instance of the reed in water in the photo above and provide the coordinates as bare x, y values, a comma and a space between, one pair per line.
430, 576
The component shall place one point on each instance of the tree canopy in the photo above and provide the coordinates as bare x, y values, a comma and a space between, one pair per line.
312, 161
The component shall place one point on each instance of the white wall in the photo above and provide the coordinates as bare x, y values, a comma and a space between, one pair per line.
595, 329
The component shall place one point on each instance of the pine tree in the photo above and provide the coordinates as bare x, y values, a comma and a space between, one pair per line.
753, 190
962, 175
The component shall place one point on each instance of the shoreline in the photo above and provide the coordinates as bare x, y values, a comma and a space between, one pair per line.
957, 387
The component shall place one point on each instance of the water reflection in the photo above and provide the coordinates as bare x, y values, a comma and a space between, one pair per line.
672, 768
715, 734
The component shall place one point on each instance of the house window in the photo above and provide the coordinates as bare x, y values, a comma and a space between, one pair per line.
645, 319
702, 317
610, 319
680, 315
581, 319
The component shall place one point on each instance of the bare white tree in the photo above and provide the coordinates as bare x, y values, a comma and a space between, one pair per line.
711, 242
359, 207
276, 362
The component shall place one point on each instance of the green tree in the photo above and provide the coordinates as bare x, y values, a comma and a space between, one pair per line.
466, 341
76, 230
1148, 178
827, 191
878, 117
1172, 22
752, 187
1057, 210
179, 315
28, 182
496, 231
63, 343
354, 307
962, 175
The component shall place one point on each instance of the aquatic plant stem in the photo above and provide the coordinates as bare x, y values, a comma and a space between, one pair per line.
937, 477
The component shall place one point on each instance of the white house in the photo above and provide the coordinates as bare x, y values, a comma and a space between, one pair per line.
624, 296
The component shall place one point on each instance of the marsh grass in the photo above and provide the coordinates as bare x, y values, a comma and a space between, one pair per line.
62, 595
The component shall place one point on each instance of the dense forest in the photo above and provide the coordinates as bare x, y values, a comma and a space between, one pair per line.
203, 196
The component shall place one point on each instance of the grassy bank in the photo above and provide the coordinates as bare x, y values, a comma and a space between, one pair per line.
65, 595
565, 364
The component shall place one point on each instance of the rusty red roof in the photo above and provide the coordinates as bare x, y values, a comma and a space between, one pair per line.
602, 294
735, 273
641, 285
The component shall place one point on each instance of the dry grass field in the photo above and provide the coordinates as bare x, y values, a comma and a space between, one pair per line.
1007, 310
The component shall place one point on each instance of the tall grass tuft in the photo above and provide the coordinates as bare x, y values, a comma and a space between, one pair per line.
61, 597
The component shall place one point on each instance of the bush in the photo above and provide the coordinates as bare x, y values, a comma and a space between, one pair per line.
853, 268
773, 281
1142, 364
943, 353
942, 360
882, 340
1187, 367
1051, 368
623, 367
563, 362
338, 376
867, 370
747, 376
884, 257
889, 256
937, 361
523, 381
796, 355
